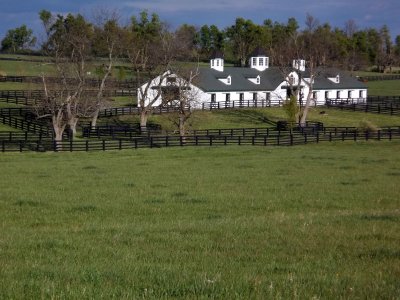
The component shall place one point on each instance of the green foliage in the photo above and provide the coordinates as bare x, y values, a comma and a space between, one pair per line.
292, 109
20, 38
235, 223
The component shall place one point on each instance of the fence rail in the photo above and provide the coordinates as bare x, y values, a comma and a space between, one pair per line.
241, 104
378, 77
379, 108
195, 140
30, 126
120, 84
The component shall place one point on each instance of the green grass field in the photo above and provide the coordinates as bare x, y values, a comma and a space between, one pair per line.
309, 222
384, 88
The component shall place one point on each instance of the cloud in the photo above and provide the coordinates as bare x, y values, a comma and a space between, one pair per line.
195, 5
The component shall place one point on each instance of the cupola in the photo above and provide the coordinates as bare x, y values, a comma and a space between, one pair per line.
299, 64
217, 61
259, 60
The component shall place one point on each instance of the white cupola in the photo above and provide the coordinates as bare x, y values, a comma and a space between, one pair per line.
259, 60
299, 64
217, 61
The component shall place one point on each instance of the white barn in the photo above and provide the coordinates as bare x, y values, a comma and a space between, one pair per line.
260, 83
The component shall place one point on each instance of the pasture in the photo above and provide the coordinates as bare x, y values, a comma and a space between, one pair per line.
316, 221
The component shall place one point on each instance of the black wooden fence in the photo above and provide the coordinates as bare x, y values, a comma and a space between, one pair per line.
379, 77
276, 139
379, 108
119, 84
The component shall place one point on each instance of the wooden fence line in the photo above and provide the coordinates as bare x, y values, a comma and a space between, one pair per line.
178, 141
379, 77
379, 108
121, 84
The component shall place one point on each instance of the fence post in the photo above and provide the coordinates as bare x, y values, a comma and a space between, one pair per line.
239, 140
265, 140
70, 145
211, 141
379, 135
317, 137
104, 145
305, 138
87, 145
390, 134
366, 135
166, 141
3, 148
291, 139
120, 144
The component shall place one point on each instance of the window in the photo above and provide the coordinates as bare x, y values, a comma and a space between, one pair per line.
228, 97
228, 80
261, 61
212, 63
217, 62
258, 80
337, 79
291, 79
171, 80
213, 97
254, 61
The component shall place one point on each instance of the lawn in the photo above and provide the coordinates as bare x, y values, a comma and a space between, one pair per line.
384, 88
250, 118
317, 221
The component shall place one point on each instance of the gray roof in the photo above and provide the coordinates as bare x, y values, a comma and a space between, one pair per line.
270, 79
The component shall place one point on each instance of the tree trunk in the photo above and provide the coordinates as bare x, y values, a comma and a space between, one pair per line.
182, 125
93, 122
303, 119
58, 127
72, 122
144, 116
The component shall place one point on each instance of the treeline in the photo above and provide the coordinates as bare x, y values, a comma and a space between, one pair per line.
348, 47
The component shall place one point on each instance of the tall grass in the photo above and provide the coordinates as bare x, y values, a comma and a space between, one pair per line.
319, 221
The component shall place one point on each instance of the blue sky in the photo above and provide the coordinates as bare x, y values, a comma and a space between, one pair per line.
366, 13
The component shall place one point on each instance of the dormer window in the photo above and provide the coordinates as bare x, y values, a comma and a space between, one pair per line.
261, 61
258, 80
291, 79
337, 79
217, 63
228, 80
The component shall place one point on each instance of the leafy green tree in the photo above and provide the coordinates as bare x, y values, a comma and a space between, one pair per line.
20, 38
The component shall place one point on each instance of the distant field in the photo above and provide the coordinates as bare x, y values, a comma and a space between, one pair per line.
309, 222
384, 88
240, 118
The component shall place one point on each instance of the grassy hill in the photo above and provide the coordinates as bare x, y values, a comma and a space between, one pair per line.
315, 221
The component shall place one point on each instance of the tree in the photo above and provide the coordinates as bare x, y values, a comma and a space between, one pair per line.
68, 46
20, 38
244, 36
182, 94
149, 47
106, 43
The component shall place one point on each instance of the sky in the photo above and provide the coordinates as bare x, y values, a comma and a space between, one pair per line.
365, 13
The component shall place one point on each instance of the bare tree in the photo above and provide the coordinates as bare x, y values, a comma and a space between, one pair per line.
183, 94
107, 39
68, 47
